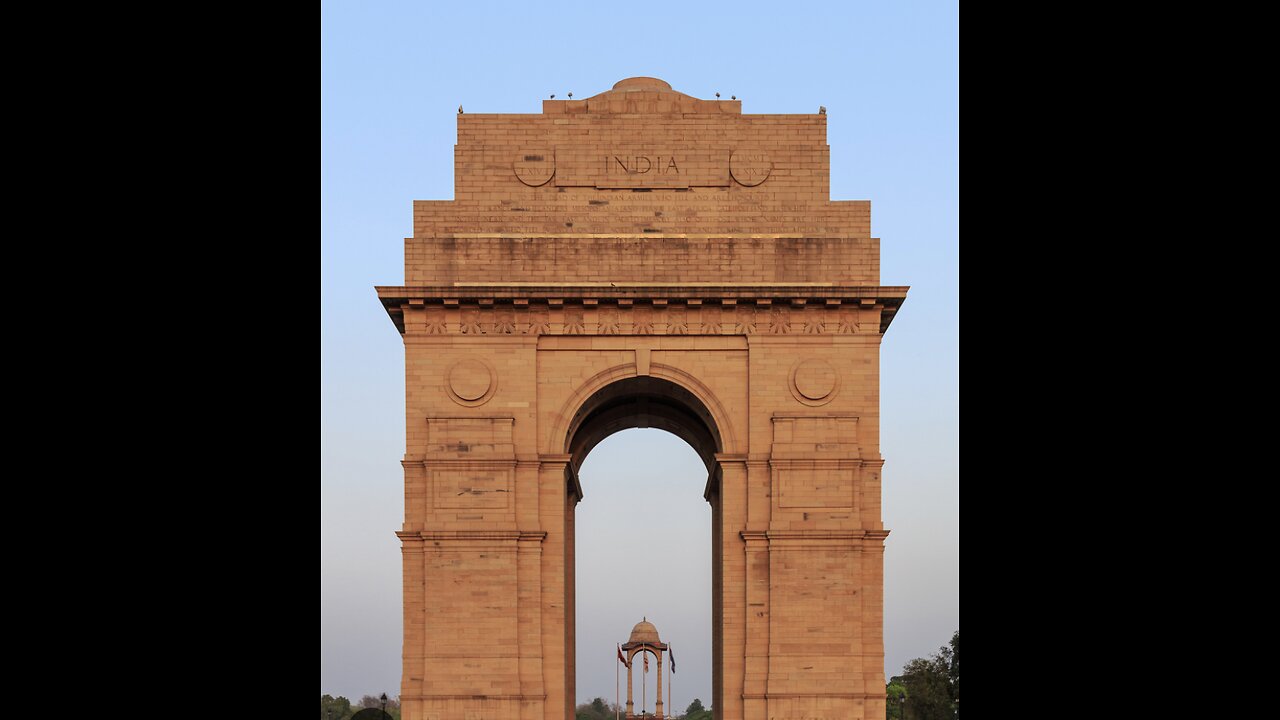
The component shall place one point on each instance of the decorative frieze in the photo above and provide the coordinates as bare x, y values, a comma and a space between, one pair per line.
572, 317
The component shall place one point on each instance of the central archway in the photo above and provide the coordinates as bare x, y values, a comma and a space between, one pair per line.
644, 402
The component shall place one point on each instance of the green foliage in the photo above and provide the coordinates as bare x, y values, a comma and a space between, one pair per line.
955, 669
695, 711
597, 709
894, 693
341, 708
336, 708
931, 687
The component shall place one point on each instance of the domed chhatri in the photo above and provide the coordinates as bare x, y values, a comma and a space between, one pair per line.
644, 632
644, 636
644, 639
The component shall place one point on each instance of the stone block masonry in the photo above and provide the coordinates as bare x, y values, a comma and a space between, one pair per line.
642, 258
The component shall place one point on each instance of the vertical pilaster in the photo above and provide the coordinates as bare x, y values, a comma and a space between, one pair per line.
553, 506
529, 622
733, 584
873, 621
757, 645
759, 503
529, 586
870, 513
415, 492
757, 567
712, 494
573, 494
414, 625
414, 586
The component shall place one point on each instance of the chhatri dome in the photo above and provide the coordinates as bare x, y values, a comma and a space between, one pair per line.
644, 640
644, 632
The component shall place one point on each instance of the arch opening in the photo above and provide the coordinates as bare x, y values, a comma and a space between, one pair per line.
643, 402
654, 403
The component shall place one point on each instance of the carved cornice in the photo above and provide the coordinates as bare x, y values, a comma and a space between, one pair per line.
496, 310
613, 291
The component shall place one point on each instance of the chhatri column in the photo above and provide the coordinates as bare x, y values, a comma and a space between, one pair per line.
631, 711
657, 707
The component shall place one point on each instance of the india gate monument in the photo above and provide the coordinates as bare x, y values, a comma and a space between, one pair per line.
642, 258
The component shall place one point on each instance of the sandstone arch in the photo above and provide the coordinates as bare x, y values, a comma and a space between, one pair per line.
560, 298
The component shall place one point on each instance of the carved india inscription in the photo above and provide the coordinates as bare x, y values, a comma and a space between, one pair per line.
639, 167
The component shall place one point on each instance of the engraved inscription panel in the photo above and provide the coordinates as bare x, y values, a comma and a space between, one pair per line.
534, 167
641, 167
750, 167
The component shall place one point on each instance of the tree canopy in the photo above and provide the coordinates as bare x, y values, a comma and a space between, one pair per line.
597, 709
340, 708
928, 688
695, 711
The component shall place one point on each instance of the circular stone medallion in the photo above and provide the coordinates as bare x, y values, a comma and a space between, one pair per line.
470, 382
535, 167
750, 167
814, 382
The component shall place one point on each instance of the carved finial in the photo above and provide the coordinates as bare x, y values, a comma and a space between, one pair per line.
822, 109
459, 109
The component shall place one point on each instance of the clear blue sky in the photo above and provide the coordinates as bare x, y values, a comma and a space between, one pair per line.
392, 77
